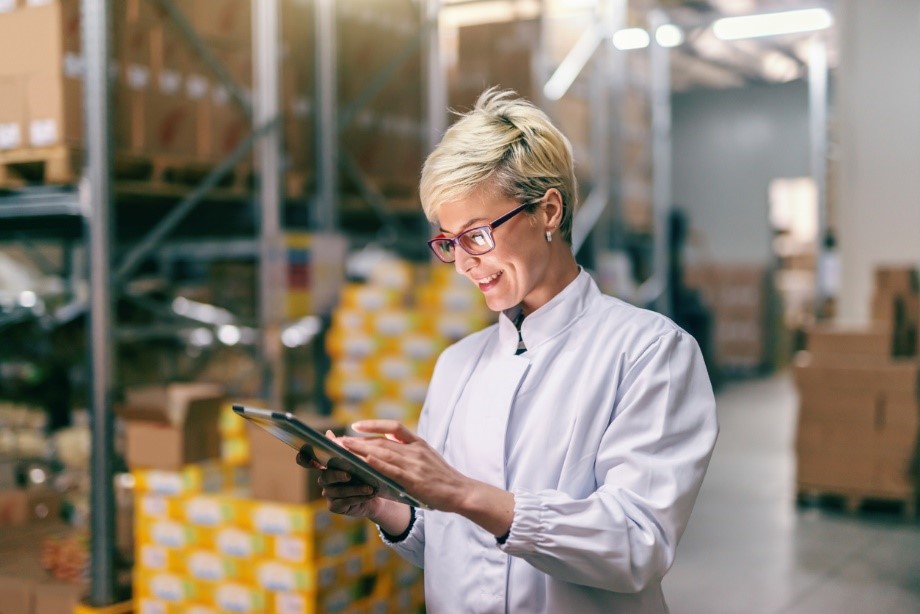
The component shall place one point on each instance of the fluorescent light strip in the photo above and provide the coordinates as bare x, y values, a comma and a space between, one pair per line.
772, 24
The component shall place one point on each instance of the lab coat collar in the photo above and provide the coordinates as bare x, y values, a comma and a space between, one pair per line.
549, 320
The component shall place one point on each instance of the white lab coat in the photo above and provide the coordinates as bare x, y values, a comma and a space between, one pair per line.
603, 431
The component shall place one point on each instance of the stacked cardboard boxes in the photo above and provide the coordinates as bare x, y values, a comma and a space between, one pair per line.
859, 405
739, 298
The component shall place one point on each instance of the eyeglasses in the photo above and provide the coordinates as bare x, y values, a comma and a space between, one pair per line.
475, 241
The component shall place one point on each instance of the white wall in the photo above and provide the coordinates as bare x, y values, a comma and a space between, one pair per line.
727, 146
878, 134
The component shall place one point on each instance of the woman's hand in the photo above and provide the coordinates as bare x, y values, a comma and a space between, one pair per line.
411, 462
344, 493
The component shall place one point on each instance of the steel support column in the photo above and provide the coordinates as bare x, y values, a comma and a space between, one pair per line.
324, 215
266, 107
817, 119
660, 94
95, 199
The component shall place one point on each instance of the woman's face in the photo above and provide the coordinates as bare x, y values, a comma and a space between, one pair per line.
521, 268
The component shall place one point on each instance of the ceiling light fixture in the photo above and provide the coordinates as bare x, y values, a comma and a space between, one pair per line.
772, 24
669, 35
630, 38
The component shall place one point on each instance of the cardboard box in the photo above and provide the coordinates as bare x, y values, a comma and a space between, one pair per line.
12, 111
16, 595
41, 46
14, 507
171, 426
865, 476
897, 279
869, 341
894, 375
57, 598
274, 472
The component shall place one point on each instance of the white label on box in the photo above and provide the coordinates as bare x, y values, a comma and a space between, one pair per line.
358, 390
292, 549
359, 346
393, 323
169, 534
203, 510
167, 587
74, 66
270, 519
395, 368
234, 598
206, 566
196, 87
290, 603
276, 577
234, 542
138, 77
43, 132
152, 606
170, 82
10, 136
153, 557
154, 506
164, 482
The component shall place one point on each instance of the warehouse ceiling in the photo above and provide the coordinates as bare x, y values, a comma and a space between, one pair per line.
701, 61
705, 61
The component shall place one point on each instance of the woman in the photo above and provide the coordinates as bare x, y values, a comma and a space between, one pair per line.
563, 447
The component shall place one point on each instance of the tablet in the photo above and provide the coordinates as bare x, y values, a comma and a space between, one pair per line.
286, 427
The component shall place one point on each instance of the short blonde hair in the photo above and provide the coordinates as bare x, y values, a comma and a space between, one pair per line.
508, 144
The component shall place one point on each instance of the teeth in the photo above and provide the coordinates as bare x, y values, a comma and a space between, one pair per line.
490, 278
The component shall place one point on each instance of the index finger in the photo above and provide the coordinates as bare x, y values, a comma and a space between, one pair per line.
391, 429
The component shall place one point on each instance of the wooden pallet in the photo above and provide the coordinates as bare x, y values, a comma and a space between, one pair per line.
855, 500
63, 165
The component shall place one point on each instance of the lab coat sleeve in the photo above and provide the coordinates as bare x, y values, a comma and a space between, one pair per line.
649, 468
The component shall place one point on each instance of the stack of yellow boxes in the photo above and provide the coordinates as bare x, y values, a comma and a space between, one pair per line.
386, 336
201, 547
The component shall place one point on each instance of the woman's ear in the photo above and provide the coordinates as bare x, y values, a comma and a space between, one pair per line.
552, 209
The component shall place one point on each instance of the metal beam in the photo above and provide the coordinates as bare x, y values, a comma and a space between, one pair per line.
817, 119
265, 37
654, 290
435, 81
134, 258
325, 210
96, 197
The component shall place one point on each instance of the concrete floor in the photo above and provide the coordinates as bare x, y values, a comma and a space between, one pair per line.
749, 549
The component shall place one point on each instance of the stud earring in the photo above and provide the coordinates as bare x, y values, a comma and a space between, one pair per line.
549, 236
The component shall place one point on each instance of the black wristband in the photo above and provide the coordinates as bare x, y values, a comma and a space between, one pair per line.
395, 539
501, 539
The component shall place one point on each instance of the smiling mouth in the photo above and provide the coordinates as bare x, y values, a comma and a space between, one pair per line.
487, 281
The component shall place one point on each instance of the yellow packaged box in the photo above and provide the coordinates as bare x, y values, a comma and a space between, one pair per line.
212, 510
236, 542
201, 477
209, 566
173, 534
238, 597
168, 587
154, 558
